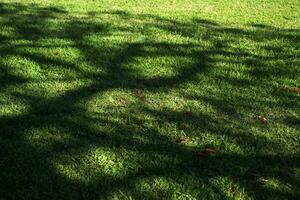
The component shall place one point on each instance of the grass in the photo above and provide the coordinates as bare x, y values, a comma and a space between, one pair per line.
109, 99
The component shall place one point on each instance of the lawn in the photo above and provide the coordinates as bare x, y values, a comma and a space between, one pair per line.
149, 99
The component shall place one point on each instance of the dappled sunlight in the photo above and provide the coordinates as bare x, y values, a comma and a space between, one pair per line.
94, 103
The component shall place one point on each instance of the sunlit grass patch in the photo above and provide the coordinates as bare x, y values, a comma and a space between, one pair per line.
149, 99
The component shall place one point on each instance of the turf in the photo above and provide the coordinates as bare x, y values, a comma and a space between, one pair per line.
119, 99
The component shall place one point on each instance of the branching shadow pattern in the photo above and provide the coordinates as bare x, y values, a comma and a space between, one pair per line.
35, 171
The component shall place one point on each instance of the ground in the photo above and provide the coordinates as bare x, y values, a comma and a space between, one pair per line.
149, 99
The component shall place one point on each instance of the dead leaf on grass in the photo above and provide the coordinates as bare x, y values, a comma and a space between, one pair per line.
138, 91
263, 119
204, 152
181, 139
295, 90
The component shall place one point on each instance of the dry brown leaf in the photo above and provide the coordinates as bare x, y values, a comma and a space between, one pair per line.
294, 90
263, 119
204, 152
181, 139
138, 92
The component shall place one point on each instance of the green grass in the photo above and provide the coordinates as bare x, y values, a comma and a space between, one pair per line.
73, 127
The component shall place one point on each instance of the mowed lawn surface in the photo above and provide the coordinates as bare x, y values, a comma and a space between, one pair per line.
149, 99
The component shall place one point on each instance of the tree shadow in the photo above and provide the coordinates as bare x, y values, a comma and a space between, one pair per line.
32, 164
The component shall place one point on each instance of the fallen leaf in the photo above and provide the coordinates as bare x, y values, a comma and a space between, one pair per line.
181, 139
263, 119
138, 94
294, 90
137, 91
204, 152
